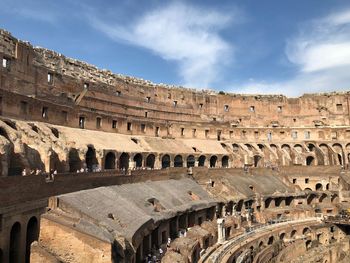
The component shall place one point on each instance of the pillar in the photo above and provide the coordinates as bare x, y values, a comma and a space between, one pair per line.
221, 230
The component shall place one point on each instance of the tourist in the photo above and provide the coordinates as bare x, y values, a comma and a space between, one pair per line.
24, 172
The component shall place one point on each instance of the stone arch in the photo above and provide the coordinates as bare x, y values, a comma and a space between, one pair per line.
32, 234
178, 162
268, 202
261, 244
319, 187
311, 198
250, 148
282, 236
190, 161
338, 149
225, 161
270, 240
150, 161
235, 147
327, 186
74, 160
278, 201
306, 230
298, 148
293, 233
110, 161
334, 198
213, 161
322, 197
289, 200
90, 158
138, 160
257, 161
124, 161
165, 161
310, 161
239, 205
15, 243
201, 160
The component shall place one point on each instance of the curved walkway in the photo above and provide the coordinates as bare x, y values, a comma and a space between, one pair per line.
222, 253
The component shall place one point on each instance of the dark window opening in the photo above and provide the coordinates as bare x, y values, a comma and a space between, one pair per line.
98, 122
294, 180
339, 107
114, 124
82, 122
146, 114
129, 126
226, 108
143, 127
157, 131
175, 103
182, 131
148, 99
86, 85
194, 131
252, 108
44, 112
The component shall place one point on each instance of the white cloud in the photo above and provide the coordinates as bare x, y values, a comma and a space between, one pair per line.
182, 33
321, 52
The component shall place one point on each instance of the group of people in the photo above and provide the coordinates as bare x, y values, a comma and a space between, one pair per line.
156, 255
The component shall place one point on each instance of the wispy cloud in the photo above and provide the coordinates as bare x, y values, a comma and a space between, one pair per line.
179, 32
321, 53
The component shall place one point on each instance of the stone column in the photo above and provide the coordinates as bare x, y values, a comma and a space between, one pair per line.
221, 230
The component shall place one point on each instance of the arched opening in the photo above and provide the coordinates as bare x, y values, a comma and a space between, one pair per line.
138, 160
213, 160
74, 160
190, 161
90, 159
310, 198
110, 161
306, 231
310, 160
278, 201
319, 187
268, 202
239, 205
282, 236
150, 161
4, 133
293, 233
322, 197
124, 161
270, 241
327, 186
178, 161
257, 159
201, 160
340, 159
32, 235
311, 147
289, 200
15, 243
261, 244
224, 161
165, 161
235, 147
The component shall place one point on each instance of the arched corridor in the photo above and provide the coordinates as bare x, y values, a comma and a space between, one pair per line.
225, 161
310, 160
190, 161
165, 161
257, 159
213, 161
110, 161
32, 235
124, 161
178, 161
201, 160
150, 161
138, 160
90, 158
15, 243
74, 160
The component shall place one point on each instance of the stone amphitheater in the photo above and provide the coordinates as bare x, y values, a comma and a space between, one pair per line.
101, 167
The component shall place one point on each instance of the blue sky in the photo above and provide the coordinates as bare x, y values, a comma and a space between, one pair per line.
244, 46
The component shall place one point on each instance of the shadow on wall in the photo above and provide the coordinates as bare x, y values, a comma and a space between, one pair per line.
34, 158
74, 160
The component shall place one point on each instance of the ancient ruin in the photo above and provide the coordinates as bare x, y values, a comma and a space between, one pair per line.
100, 167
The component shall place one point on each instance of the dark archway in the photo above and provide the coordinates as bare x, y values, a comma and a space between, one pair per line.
190, 161
110, 161
257, 159
15, 243
340, 159
165, 161
150, 161
178, 161
224, 161
90, 158
138, 160
310, 160
319, 187
213, 161
74, 160
270, 241
201, 160
124, 161
32, 235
